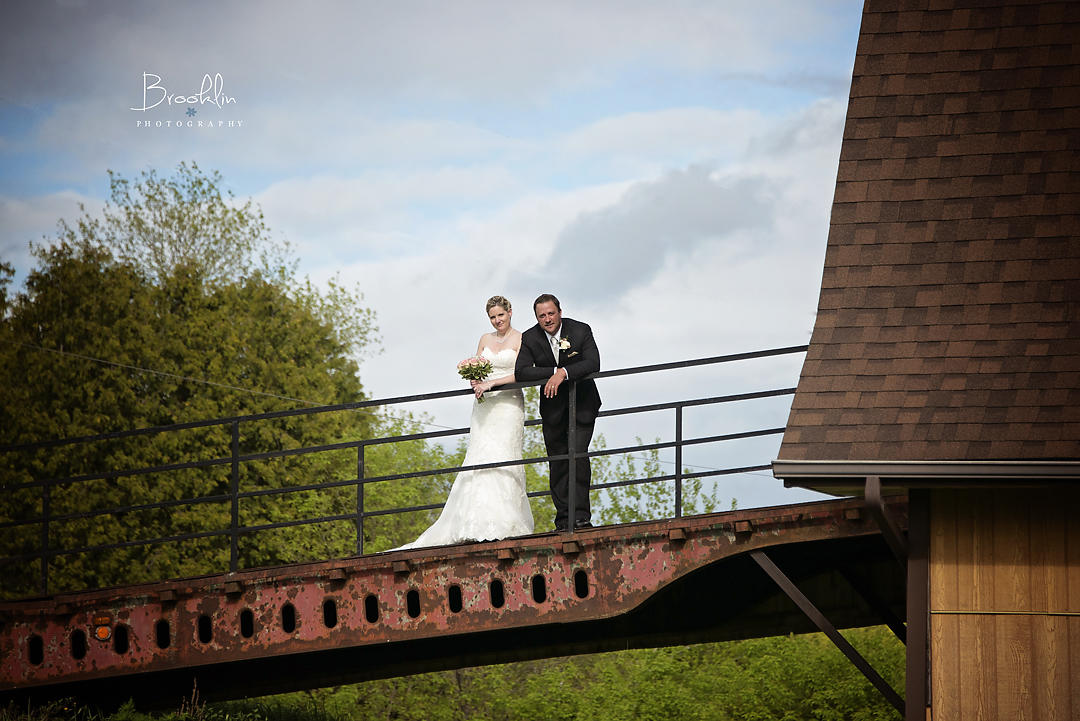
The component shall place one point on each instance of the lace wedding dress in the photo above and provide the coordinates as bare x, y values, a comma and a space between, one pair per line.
489, 503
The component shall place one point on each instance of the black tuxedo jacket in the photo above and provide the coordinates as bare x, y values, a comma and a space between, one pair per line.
535, 362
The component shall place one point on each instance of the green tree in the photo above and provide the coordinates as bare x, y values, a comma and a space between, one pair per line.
185, 221
177, 306
7, 272
649, 500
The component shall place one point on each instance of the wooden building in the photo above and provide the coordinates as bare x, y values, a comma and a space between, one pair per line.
945, 357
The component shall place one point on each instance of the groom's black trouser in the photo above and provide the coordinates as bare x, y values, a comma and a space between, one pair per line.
555, 441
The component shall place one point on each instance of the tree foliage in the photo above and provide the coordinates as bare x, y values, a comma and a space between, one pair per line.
178, 306
161, 225
797, 678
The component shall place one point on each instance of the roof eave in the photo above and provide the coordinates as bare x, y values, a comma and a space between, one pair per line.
849, 477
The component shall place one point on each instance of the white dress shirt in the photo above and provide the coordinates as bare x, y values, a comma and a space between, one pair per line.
553, 341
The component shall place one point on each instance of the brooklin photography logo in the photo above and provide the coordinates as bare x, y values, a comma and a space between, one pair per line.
156, 95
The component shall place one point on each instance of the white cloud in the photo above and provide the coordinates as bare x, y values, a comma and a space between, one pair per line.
436, 154
757, 288
678, 132
458, 50
603, 254
336, 219
34, 219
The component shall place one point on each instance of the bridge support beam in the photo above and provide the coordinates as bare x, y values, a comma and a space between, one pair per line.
917, 688
889, 529
811, 611
346, 620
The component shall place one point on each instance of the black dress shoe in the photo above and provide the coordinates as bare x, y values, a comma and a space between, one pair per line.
560, 527
582, 524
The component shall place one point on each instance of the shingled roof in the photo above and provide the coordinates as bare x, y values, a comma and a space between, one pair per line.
948, 326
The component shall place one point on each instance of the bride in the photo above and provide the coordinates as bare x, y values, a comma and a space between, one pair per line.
489, 503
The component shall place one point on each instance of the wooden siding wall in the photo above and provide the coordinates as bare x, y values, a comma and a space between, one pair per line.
1005, 604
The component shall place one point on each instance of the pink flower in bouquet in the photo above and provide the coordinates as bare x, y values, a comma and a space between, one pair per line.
474, 369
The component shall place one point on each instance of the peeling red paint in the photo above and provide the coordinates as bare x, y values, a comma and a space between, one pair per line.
624, 566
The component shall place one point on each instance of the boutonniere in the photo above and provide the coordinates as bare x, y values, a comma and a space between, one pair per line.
564, 343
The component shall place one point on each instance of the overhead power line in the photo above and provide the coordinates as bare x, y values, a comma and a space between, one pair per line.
165, 374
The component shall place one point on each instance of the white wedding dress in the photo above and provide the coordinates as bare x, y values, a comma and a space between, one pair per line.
488, 503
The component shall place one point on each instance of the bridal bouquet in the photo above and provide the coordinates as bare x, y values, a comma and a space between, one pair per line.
474, 369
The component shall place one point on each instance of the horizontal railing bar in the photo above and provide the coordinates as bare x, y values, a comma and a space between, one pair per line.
701, 361
632, 482
265, 492
353, 482
271, 415
346, 517
374, 403
53, 553
244, 530
111, 475
594, 487
346, 445
728, 471
395, 511
697, 402
210, 462
685, 442
122, 509
44, 554
383, 440
672, 477
441, 471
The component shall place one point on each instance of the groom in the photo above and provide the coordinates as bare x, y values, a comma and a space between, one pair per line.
558, 349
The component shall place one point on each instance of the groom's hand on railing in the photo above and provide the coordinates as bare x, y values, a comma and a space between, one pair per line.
553, 383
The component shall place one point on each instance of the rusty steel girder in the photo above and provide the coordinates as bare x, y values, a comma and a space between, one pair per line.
210, 626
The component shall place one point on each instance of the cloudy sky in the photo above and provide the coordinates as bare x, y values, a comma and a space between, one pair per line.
666, 169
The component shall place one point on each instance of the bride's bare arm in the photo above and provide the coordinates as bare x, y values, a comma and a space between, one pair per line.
490, 383
481, 387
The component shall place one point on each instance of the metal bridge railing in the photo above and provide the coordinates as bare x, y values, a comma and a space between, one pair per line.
45, 553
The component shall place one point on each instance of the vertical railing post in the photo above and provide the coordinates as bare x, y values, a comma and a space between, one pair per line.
46, 492
234, 492
571, 475
678, 461
360, 500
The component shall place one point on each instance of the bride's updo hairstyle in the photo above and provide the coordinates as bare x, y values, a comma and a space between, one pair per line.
497, 300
